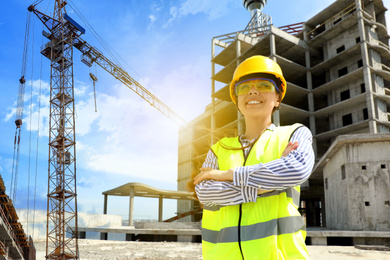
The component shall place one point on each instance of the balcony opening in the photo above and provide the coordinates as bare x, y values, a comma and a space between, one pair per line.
343, 71
347, 119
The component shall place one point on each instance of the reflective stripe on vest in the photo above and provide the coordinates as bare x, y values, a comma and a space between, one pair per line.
270, 228
257, 231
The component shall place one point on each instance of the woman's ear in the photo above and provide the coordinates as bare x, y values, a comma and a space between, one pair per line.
278, 102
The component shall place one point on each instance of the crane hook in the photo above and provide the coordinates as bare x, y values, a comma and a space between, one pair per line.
94, 79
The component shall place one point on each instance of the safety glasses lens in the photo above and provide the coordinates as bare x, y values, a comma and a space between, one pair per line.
261, 85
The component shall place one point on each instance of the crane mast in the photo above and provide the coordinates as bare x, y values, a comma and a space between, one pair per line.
62, 196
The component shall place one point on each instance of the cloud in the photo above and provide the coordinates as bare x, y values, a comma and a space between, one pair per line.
152, 18
37, 104
129, 138
213, 9
186, 88
173, 12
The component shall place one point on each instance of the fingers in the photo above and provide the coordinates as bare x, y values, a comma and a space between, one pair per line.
200, 177
289, 148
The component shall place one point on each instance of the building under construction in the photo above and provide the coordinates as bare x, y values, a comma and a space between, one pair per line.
14, 243
337, 67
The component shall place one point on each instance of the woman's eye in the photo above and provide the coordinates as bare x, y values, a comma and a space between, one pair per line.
244, 87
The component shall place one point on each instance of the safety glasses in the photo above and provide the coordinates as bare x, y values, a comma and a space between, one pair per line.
262, 85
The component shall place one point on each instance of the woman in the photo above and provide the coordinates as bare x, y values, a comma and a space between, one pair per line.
249, 185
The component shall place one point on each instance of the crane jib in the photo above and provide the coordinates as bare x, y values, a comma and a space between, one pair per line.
91, 54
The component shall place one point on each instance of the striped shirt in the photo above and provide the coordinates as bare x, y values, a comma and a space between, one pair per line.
289, 171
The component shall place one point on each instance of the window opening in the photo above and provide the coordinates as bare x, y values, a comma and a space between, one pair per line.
363, 87
343, 71
360, 63
365, 113
357, 40
337, 21
340, 49
347, 119
345, 95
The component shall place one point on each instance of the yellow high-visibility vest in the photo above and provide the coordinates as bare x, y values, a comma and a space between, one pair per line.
271, 227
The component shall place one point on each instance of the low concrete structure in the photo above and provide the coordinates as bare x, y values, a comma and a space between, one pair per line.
323, 237
134, 189
357, 182
148, 231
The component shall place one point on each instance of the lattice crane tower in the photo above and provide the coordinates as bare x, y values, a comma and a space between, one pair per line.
258, 19
62, 195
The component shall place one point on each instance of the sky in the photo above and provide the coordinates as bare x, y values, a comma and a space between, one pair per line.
164, 45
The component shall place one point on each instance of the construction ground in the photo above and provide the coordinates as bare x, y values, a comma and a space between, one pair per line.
104, 250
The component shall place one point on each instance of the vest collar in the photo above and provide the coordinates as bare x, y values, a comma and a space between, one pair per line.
243, 140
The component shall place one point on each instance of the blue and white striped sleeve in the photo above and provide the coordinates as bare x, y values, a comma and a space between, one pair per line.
282, 173
211, 192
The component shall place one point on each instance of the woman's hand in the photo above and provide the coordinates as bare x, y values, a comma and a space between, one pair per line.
210, 173
289, 148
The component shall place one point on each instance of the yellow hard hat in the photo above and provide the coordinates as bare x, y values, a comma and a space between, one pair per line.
258, 65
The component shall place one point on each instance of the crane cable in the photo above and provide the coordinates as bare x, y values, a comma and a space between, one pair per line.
30, 132
105, 45
19, 111
36, 154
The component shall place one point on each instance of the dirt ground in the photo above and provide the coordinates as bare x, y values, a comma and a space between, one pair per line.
118, 250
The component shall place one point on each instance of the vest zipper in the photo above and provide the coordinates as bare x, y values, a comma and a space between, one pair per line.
239, 231
240, 215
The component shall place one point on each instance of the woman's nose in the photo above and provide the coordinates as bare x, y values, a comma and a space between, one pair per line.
253, 90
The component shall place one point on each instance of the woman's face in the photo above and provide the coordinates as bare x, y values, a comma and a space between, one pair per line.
256, 103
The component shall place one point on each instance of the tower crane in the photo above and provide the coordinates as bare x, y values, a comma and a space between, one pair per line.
64, 34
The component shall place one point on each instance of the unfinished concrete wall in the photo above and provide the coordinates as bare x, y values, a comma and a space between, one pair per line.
342, 42
357, 187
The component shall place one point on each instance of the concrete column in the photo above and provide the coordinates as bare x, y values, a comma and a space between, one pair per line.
276, 114
160, 208
310, 97
366, 70
212, 117
131, 206
272, 45
105, 204
240, 124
